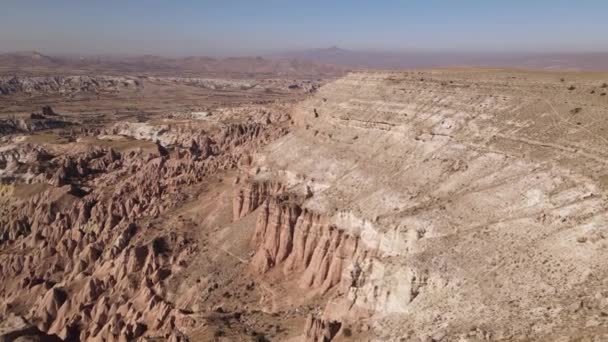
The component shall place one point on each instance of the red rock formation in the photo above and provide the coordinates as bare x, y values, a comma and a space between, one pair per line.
83, 231
318, 330
274, 233
15, 328
250, 196
303, 243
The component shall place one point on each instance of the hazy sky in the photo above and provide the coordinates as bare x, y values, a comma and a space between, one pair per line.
233, 27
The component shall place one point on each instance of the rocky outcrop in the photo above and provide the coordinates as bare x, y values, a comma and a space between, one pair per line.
65, 85
248, 85
377, 286
35, 122
183, 135
301, 243
10, 126
11, 156
274, 234
15, 328
32, 124
250, 196
319, 330
48, 111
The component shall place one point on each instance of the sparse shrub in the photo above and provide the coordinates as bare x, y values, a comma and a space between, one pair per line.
571, 87
603, 94
562, 79
576, 110
219, 333
160, 246
593, 92
259, 337
604, 85
347, 332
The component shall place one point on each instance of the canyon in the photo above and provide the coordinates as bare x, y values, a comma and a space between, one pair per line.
428, 205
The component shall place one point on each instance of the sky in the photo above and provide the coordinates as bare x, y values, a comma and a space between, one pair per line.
256, 27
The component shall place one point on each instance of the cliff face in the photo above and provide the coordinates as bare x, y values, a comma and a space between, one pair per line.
252, 195
302, 244
431, 200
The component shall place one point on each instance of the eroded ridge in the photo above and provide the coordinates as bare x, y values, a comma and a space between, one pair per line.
81, 256
460, 205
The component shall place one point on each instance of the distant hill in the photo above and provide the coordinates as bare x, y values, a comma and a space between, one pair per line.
417, 59
27, 58
312, 63
36, 63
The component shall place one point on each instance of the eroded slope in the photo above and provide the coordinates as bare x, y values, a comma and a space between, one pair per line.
443, 205
92, 242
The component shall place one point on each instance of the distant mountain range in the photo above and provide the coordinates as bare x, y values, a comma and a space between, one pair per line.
312, 63
417, 59
37, 63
